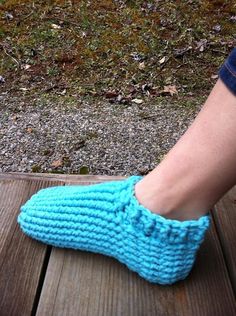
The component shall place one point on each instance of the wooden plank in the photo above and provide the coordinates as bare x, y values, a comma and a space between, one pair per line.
21, 258
70, 178
82, 283
208, 289
225, 219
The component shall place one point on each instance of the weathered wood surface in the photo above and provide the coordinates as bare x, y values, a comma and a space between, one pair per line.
72, 178
80, 283
225, 219
21, 258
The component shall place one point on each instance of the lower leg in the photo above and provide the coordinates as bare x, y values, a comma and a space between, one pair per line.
107, 218
200, 168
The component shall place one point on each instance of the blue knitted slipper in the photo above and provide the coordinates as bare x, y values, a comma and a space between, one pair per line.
107, 218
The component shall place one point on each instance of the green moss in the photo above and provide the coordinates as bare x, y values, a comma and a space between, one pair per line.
36, 168
84, 170
91, 135
2, 32
53, 71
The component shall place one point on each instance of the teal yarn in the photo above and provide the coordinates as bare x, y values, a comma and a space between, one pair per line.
107, 218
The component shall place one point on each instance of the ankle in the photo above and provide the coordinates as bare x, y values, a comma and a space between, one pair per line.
170, 201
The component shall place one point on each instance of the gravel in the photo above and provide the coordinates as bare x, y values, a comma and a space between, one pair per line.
111, 139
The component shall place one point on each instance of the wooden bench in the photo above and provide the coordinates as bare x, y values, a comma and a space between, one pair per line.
40, 280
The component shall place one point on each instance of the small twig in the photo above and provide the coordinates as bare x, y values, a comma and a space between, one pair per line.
13, 58
26, 17
218, 51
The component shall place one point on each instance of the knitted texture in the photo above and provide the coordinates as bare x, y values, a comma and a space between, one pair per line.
107, 218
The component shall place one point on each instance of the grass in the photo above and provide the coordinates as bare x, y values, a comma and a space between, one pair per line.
99, 46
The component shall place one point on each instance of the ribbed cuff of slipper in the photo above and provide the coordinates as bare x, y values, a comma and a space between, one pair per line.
107, 218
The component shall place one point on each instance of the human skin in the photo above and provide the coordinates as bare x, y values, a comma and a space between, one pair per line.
200, 168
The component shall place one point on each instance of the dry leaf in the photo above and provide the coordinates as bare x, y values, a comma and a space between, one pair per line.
170, 89
217, 28
29, 130
55, 26
161, 61
9, 16
201, 45
119, 98
137, 101
83, 34
201, 49
57, 163
63, 92
111, 94
141, 66
26, 66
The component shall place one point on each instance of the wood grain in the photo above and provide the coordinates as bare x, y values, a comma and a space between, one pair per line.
82, 283
208, 288
21, 258
69, 178
225, 219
